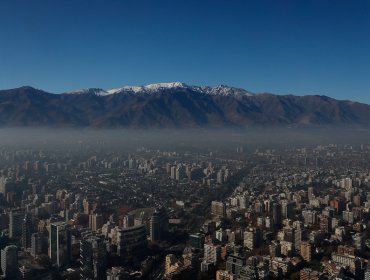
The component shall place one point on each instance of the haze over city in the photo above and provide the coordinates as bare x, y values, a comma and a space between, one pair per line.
176, 140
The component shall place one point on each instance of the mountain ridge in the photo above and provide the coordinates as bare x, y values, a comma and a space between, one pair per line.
174, 105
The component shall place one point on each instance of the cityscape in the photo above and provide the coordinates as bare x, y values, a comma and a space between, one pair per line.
84, 210
184, 140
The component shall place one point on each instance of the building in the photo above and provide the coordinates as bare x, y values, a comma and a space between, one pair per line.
27, 229
224, 275
286, 248
325, 223
348, 216
25, 272
60, 244
15, 224
212, 253
234, 264
4, 185
250, 240
306, 251
158, 225
196, 240
275, 249
355, 264
287, 209
9, 262
118, 273
248, 273
337, 204
95, 221
218, 209
309, 217
93, 258
276, 214
359, 242
132, 241
309, 274
38, 244
220, 177
171, 264
279, 266
367, 274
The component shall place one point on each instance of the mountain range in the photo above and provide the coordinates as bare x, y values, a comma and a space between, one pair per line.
174, 105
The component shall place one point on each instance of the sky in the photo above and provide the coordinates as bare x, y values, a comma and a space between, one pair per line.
280, 46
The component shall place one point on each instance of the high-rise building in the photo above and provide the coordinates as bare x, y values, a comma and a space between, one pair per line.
9, 262
310, 193
276, 214
87, 205
357, 200
234, 264
180, 172
275, 249
132, 241
158, 225
173, 172
250, 241
367, 274
337, 204
287, 209
306, 251
220, 176
309, 217
196, 240
38, 244
93, 258
325, 223
218, 209
346, 183
27, 230
348, 216
15, 224
95, 221
298, 235
4, 185
359, 241
60, 244
212, 253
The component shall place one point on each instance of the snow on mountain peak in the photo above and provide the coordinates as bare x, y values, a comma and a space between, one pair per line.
148, 88
166, 85
93, 91
153, 88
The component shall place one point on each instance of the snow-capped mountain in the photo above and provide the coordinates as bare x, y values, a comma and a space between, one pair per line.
93, 91
160, 87
174, 105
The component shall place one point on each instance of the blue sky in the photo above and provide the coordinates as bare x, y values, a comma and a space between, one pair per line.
280, 46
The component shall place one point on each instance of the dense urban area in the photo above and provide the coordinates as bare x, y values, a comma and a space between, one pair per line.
235, 211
